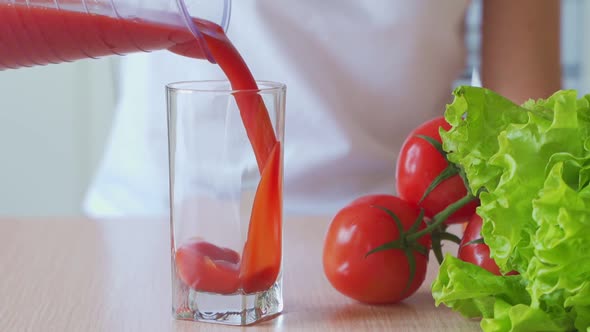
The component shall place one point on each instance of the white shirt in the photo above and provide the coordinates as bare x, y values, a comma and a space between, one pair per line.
360, 75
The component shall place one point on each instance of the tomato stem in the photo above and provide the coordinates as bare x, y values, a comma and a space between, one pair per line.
436, 144
442, 216
402, 243
408, 247
389, 245
450, 171
437, 236
412, 264
417, 223
450, 237
398, 223
437, 246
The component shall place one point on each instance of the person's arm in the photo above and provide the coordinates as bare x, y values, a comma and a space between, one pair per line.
521, 48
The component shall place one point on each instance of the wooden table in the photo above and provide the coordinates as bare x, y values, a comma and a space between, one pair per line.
114, 275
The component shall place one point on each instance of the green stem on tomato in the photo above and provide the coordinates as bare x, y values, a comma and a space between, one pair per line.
389, 245
401, 243
412, 265
437, 246
450, 237
450, 171
442, 216
417, 223
436, 144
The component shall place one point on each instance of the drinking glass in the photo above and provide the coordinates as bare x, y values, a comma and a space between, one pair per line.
226, 200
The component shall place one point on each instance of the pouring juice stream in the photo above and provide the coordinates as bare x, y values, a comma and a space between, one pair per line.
31, 36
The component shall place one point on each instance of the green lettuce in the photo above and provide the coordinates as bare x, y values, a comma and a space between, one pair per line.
530, 165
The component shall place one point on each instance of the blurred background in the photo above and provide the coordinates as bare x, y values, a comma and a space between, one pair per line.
54, 120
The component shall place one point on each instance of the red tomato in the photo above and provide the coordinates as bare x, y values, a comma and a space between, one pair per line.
381, 277
419, 164
477, 253
208, 268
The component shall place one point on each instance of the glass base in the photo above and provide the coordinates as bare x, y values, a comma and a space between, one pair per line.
236, 309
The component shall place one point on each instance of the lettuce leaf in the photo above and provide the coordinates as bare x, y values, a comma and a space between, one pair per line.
473, 291
502, 302
530, 165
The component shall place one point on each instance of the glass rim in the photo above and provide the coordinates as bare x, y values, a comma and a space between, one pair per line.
210, 87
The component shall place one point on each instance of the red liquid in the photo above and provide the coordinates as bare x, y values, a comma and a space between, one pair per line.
40, 36
32, 36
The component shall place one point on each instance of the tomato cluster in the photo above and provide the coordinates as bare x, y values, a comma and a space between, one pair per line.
376, 248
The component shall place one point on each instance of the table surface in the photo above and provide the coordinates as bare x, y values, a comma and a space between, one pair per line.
114, 275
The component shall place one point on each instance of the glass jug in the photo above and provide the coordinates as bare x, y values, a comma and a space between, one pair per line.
40, 32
